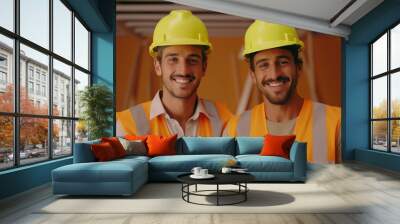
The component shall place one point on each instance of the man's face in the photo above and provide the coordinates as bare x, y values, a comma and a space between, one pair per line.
181, 69
275, 74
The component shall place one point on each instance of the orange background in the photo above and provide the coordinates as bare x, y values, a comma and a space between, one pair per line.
320, 78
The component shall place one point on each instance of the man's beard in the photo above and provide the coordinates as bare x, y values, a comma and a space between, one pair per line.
280, 100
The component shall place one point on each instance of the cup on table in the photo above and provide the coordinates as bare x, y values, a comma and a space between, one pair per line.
226, 170
196, 170
203, 172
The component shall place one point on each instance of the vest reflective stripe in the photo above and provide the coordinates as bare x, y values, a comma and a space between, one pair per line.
120, 132
125, 123
243, 127
216, 123
139, 116
320, 144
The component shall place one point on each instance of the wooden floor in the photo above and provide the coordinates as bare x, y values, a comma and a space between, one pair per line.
377, 188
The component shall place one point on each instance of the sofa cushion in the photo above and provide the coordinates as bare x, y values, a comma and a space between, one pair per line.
206, 145
83, 152
116, 145
134, 147
111, 171
257, 163
161, 145
185, 163
103, 151
249, 145
277, 145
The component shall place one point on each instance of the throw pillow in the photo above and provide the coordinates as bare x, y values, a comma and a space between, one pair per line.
275, 145
134, 137
103, 151
116, 145
136, 147
159, 145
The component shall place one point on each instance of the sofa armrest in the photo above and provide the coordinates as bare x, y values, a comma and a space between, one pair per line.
83, 152
298, 155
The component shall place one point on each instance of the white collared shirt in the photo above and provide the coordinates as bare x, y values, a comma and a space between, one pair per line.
191, 125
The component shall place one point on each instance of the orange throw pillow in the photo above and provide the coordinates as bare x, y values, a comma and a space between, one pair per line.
275, 145
116, 145
134, 138
159, 145
103, 151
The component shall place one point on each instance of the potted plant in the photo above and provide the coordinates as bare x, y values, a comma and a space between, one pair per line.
96, 103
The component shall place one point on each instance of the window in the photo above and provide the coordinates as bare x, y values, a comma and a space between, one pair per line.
385, 94
37, 74
3, 72
41, 69
30, 87
3, 78
30, 72
43, 90
38, 89
3, 61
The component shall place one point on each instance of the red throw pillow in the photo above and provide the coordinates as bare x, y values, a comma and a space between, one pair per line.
277, 145
159, 145
116, 145
103, 151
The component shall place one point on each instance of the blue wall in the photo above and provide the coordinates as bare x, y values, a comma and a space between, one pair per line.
99, 16
356, 85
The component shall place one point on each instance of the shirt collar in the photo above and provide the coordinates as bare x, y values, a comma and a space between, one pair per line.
157, 108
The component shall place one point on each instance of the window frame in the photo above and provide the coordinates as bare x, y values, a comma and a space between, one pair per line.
16, 115
388, 74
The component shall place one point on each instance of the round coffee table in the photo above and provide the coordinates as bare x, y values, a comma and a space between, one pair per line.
238, 179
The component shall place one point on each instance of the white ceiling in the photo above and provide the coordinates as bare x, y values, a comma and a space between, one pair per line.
232, 17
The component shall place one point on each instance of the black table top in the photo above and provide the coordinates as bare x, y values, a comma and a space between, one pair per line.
220, 178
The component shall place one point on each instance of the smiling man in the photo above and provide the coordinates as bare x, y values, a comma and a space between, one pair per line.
180, 47
272, 51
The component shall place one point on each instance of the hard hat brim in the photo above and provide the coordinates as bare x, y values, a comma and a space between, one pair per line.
153, 46
272, 45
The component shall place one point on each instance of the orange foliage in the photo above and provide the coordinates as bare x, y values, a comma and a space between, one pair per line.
33, 130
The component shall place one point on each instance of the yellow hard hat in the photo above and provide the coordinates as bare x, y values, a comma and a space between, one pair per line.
264, 35
179, 27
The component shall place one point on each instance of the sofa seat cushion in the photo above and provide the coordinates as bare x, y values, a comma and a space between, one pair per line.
257, 163
185, 163
111, 171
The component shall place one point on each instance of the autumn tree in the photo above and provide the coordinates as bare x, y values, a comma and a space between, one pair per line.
33, 131
380, 127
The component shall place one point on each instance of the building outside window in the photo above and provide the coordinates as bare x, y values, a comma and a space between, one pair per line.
30, 87
30, 72
34, 76
385, 94
3, 72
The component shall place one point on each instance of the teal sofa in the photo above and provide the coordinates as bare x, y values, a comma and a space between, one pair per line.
125, 176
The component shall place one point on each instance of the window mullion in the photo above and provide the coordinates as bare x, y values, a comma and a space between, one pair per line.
73, 82
389, 106
16, 84
50, 87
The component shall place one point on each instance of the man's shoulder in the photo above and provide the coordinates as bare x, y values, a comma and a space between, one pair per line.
135, 107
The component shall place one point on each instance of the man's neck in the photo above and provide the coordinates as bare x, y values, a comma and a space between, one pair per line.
180, 109
286, 112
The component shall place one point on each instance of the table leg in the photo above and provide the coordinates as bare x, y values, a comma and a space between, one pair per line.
217, 194
245, 191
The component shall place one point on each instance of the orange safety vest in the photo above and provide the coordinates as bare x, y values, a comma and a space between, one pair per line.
317, 124
136, 121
